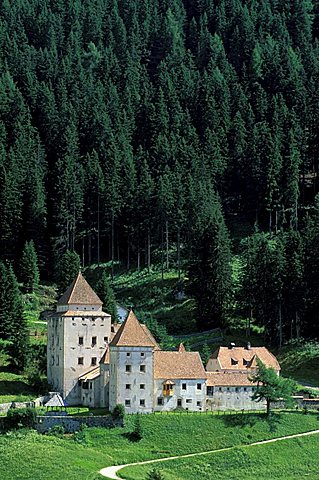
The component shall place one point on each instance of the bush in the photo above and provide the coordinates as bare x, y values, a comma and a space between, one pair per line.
137, 433
118, 412
56, 431
20, 417
154, 475
81, 435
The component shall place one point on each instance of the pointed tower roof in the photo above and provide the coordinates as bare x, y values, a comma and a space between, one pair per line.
133, 334
79, 293
181, 348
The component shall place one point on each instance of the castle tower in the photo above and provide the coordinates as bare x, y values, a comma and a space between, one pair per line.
78, 336
131, 367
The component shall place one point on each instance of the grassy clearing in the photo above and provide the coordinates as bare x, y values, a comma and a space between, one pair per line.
301, 362
30, 456
285, 460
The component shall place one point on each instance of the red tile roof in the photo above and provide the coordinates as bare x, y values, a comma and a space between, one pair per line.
133, 334
79, 293
171, 365
240, 358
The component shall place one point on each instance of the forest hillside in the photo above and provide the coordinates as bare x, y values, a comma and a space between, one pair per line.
168, 132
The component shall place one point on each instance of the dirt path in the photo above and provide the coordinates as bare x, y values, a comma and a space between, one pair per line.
110, 472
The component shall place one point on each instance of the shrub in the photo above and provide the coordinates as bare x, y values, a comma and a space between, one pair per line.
20, 417
154, 474
81, 435
56, 431
137, 433
118, 412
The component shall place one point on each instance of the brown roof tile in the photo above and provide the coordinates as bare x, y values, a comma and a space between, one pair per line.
133, 334
245, 358
225, 379
170, 365
79, 293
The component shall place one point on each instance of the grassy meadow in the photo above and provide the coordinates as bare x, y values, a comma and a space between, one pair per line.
285, 460
26, 455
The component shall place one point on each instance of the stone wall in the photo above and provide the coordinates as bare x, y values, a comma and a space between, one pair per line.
4, 407
72, 423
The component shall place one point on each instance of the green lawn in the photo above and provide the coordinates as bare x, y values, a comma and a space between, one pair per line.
301, 361
13, 387
29, 456
285, 460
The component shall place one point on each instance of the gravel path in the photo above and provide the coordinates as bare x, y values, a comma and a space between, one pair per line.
110, 472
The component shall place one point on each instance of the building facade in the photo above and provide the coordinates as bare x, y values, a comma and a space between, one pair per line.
96, 364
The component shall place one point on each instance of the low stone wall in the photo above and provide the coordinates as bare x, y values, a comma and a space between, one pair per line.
4, 407
72, 423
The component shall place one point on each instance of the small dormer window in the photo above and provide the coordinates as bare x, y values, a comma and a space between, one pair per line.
245, 362
234, 361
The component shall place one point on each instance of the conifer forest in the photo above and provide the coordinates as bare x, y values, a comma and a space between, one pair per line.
178, 133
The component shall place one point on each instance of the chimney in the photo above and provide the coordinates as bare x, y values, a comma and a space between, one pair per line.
248, 346
231, 345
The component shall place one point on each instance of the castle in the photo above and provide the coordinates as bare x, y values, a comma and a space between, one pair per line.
94, 363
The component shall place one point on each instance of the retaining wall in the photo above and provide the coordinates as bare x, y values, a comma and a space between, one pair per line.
72, 423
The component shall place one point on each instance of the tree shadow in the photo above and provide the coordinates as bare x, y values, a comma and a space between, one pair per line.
131, 437
242, 419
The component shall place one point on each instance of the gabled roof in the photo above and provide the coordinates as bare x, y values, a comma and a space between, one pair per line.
91, 375
241, 358
55, 401
133, 334
106, 357
79, 293
171, 365
226, 379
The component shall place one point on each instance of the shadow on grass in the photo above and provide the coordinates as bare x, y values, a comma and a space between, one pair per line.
131, 436
14, 388
250, 419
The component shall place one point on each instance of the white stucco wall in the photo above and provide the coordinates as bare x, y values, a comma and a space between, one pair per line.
74, 307
192, 399
120, 357
233, 398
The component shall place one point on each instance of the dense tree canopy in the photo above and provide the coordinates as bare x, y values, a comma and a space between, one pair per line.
116, 117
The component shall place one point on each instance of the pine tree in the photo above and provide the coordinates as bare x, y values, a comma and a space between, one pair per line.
105, 292
67, 269
29, 270
209, 270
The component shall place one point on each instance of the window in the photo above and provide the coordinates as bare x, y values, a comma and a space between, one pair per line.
142, 354
128, 368
184, 386
234, 362
80, 361
93, 341
90, 385
237, 389
160, 401
179, 402
245, 362
128, 386
85, 385
245, 389
188, 400
106, 339
210, 390
127, 403
142, 386
93, 361
80, 340
128, 354
220, 389
199, 404
199, 386
142, 402
228, 389
142, 368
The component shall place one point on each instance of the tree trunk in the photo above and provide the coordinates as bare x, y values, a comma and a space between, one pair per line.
148, 249
128, 250
83, 251
112, 247
162, 252
98, 229
179, 253
90, 249
166, 235
297, 325
280, 325
268, 407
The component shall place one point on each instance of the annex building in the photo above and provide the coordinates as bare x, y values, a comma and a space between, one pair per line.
93, 362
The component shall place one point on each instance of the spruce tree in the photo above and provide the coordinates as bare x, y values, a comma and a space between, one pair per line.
105, 292
29, 270
67, 269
